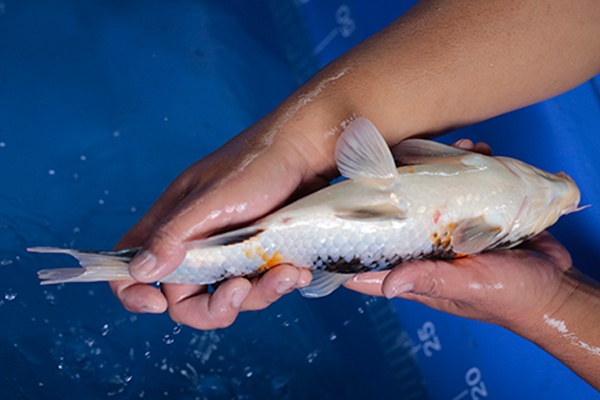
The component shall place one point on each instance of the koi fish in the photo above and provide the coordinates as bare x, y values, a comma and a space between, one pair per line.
443, 202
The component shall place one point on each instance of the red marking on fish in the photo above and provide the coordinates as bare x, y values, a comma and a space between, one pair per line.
436, 216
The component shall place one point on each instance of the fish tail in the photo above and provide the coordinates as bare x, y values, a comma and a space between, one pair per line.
97, 266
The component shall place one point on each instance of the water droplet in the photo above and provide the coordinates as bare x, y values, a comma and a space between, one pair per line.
10, 295
133, 209
76, 229
312, 356
51, 172
116, 134
167, 339
166, 119
105, 329
332, 336
177, 329
106, 192
100, 201
83, 157
360, 310
50, 298
2, 144
4, 263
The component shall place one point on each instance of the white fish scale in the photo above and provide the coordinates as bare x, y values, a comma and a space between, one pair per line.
308, 245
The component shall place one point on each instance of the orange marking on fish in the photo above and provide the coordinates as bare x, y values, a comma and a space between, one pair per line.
270, 261
451, 227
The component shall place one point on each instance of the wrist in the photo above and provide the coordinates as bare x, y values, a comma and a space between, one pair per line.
571, 312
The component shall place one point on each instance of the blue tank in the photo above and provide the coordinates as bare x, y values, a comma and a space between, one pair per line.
103, 103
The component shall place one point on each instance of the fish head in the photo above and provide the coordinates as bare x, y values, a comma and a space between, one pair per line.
547, 196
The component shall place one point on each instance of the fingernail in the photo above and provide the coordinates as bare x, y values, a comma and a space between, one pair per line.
398, 290
151, 309
284, 286
238, 296
143, 264
463, 144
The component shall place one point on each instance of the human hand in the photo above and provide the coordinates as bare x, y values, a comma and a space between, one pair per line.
244, 180
510, 288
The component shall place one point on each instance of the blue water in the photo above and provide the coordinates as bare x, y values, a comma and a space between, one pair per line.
102, 104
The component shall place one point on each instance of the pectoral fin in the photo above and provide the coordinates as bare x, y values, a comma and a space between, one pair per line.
361, 152
324, 283
475, 235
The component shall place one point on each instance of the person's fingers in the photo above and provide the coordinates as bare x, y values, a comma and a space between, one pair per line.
464, 144
483, 148
139, 297
467, 144
419, 276
191, 305
273, 284
545, 243
368, 283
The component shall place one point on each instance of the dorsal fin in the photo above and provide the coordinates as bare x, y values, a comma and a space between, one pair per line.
421, 151
362, 153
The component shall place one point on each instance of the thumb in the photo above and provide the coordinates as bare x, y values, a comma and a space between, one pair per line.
429, 278
411, 277
161, 255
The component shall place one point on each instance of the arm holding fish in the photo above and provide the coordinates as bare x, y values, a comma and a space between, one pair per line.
443, 64
532, 290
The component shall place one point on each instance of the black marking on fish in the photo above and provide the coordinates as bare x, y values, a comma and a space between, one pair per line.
355, 265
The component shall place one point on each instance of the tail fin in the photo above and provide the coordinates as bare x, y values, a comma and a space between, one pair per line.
97, 266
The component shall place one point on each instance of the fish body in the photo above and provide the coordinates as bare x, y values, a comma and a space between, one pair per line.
442, 203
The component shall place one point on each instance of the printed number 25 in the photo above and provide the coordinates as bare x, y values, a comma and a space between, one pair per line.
429, 339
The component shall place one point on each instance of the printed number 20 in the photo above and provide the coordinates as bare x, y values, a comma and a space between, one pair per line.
473, 379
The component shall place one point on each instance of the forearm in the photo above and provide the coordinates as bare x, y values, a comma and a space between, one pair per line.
446, 64
570, 331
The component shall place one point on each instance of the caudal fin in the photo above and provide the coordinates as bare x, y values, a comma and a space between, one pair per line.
97, 266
